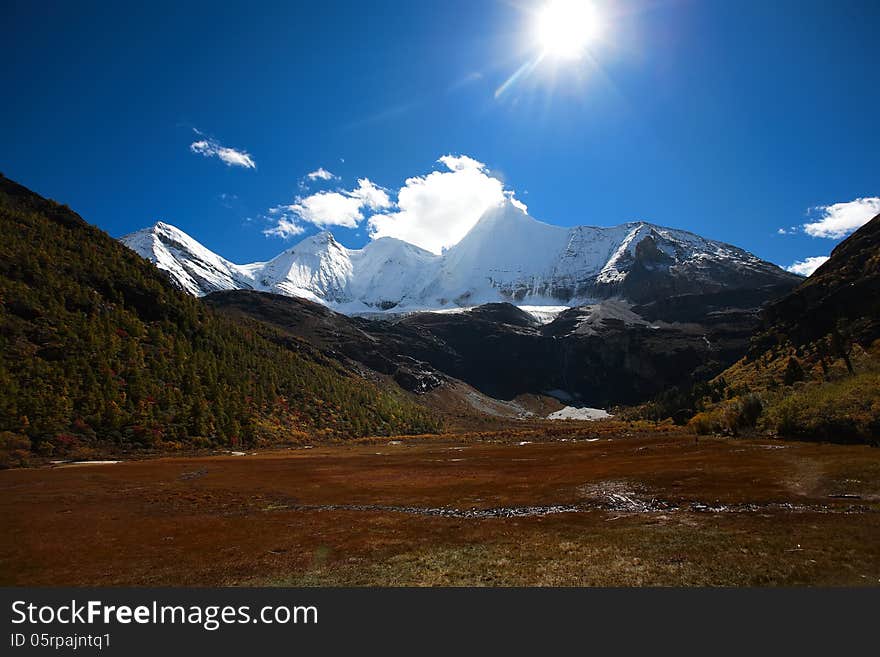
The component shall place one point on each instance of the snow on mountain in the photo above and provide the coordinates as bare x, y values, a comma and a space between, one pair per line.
507, 256
196, 269
388, 271
318, 268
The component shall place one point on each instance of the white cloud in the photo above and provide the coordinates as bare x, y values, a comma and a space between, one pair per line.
433, 211
841, 219
436, 210
515, 202
342, 208
329, 209
460, 162
285, 228
807, 266
321, 174
372, 196
230, 156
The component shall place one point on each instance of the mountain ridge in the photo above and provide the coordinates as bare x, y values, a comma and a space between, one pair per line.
507, 256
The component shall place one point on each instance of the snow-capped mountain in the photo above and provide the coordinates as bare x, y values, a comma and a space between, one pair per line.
507, 256
194, 268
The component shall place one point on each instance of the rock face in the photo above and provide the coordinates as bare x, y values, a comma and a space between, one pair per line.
507, 257
608, 353
597, 355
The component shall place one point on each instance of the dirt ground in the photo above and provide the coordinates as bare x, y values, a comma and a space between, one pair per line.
607, 510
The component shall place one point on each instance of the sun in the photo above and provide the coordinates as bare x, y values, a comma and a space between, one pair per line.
565, 28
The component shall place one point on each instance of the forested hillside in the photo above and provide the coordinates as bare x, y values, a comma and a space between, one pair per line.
98, 350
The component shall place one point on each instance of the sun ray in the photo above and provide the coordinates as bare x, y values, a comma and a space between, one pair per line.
520, 73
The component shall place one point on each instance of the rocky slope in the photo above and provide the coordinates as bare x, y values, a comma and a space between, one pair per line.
813, 368
599, 355
842, 296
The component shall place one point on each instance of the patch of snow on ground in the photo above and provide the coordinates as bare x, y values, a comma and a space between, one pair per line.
573, 413
84, 462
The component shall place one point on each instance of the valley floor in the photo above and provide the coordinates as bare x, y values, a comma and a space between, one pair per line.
595, 509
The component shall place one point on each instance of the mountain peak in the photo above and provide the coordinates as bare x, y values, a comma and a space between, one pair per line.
164, 228
508, 256
321, 240
506, 213
190, 265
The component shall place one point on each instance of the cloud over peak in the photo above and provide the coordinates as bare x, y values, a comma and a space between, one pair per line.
433, 211
209, 147
836, 221
340, 208
285, 226
807, 266
841, 219
436, 210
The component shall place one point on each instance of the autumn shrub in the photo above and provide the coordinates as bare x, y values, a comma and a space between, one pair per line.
705, 422
15, 450
730, 417
846, 410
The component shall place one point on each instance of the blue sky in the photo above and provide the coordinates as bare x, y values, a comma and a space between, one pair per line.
730, 119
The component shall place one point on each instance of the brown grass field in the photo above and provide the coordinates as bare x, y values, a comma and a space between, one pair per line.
583, 508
